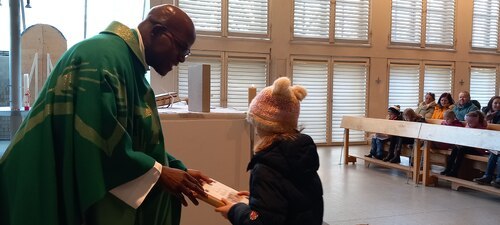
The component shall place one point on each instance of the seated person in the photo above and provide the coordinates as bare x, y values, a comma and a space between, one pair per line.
476, 103
449, 120
474, 119
493, 164
464, 105
378, 140
444, 103
492, 111
493, 158
426, 108
395, 149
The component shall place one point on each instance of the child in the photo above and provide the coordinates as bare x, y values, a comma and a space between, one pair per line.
474, 119
378, 140
285, 187
395, 114
395, 149
450, 119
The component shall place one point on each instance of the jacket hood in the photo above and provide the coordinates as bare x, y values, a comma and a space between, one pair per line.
293, 159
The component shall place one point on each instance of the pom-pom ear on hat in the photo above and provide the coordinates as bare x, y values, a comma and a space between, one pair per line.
276, 108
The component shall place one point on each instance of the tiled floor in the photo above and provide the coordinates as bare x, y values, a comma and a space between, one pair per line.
355, 194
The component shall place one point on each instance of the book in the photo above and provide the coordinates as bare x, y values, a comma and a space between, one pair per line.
216, 191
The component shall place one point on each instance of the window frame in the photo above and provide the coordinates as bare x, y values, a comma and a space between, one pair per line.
331, 61
225, 24
485, 65
423, 31
421, 79
225, 58
484, 49
331, 31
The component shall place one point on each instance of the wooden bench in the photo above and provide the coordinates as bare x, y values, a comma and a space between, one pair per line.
384, 126
477, 162
432, 131
477, 138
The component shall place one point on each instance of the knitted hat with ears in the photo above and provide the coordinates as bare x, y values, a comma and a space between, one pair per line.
276, 108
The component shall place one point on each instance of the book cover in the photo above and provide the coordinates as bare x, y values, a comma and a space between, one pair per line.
216, 191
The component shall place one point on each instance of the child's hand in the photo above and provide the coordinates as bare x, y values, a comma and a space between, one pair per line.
244, 193
224, 209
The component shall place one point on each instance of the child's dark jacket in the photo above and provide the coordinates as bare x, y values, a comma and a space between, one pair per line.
284, 186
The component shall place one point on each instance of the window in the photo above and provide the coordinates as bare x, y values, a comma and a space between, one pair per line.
485, 24
483, 82
227, 89
4, 79
344, 83
349, 20
215, 78
244, 17
349, 97
405, 81
440, 22
404, 85
242, 74
438, 79
206, 14
313, 109
311, 19
408, 19
248, 16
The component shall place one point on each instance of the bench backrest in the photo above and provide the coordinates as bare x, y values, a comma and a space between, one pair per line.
478, 138
491, 126
383, 126
432, 131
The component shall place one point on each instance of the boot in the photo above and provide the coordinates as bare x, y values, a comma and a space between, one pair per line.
397, 153
388, 157
395, 159
369, 155
496, 183
449, 163
484, 180
445, 171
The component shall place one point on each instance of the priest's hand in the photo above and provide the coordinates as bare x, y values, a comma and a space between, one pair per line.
202, 178
180, 183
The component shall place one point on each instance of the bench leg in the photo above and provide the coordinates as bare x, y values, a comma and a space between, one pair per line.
351, 159
455, 186
427, 179
416, 161
346, 148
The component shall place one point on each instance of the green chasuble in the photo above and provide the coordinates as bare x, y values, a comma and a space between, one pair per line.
94, 127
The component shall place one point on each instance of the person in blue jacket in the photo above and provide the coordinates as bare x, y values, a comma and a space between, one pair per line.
285, 187
464, 105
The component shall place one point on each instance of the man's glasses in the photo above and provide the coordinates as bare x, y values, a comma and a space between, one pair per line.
181, 47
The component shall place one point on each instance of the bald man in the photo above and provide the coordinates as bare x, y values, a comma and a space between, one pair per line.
464, 105
91, 150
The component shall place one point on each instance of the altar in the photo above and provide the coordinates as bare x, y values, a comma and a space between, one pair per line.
217, 143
